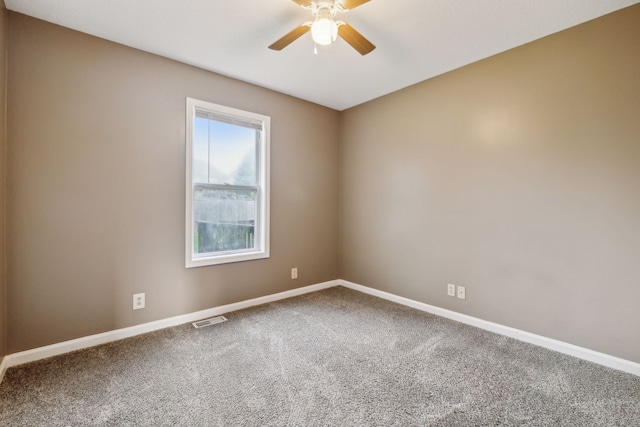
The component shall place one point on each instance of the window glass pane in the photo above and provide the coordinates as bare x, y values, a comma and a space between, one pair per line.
200, 150
224, 219
224, 153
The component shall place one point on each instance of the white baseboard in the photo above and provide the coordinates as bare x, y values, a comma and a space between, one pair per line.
559, 346
118, 334
103, 338
3, 367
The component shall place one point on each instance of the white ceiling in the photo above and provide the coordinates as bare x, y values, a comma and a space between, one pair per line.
415, 39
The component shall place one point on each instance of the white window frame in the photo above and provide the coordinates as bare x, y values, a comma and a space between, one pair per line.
261, 228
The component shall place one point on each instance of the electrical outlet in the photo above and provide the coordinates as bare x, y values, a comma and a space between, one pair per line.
461, 292
138, 301
294, 273
451, 290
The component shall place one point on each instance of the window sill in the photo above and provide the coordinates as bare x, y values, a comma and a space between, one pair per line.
226, 259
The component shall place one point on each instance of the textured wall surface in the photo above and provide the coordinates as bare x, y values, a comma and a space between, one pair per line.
96, 154
517, 177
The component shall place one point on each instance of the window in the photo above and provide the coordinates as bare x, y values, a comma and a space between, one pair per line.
227, 203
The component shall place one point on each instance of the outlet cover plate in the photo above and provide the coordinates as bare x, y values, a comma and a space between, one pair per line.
138, 301
461, 292
451, 290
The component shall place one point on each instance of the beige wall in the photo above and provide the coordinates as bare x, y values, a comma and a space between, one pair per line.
3, 145
517, 177
96, 188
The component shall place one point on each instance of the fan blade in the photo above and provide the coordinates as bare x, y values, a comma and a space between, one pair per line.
355, 39
351, 4
305, 3
290, 37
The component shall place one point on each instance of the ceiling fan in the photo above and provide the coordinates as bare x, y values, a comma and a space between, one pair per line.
324, 28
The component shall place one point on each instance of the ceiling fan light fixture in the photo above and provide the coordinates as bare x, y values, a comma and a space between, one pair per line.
324, 28
324, 31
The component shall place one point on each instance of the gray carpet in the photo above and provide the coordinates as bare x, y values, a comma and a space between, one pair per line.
335, 357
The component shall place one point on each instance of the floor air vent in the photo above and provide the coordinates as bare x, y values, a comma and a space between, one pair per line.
209, 322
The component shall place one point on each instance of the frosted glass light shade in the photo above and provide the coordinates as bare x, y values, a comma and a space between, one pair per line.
324, 31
